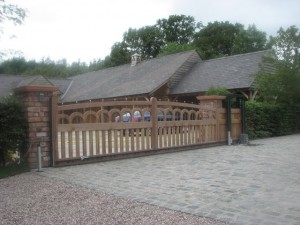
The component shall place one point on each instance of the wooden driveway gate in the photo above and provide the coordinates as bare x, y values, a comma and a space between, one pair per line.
99, 130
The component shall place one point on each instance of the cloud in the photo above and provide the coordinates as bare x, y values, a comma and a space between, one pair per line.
86, 30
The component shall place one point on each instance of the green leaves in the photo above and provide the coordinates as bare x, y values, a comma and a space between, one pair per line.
146, 41
13, 132
267, 120
249, 40
46, 67
217, 91
178, 29
283, 85
11, 13
219, 39
172, 48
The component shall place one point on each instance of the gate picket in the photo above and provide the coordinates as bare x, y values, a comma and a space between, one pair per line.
101, 130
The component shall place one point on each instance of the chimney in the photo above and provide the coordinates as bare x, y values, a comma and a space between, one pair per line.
135, 59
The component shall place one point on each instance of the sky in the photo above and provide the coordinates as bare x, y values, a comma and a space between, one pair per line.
84, 30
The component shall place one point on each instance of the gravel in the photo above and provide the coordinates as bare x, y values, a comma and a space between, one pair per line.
32, 199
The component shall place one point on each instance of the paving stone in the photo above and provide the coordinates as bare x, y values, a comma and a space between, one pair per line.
240, 184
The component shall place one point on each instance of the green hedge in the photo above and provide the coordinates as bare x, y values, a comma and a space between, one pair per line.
267, 120
13, 129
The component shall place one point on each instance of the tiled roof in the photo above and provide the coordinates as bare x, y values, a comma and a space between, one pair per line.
184, 73
62, 84
126, 80
8, 83
233, 72
35, 81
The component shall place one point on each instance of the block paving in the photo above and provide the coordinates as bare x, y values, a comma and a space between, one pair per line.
257, 183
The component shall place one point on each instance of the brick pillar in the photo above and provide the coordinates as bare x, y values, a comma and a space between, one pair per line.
37, 108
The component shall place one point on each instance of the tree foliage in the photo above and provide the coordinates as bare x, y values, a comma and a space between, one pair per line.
146, 41
10, 13
216, 39
283, 84
267, 120
178, 29
172, 48
13, 132
224, 39
217, 91
150, 41
249, 40
119, 55
46, 67
167, 36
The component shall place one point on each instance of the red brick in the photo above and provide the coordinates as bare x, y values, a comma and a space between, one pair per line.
33, 109
45, 138
34, 119
45, 119
32, 155
32, 134
45, 129
45, 154
41, 124
43, 144
29, 114
44, 109
32, 129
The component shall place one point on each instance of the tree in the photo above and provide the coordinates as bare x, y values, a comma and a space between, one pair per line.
217, 91
119, 55
216, 39
224, 39
46, 67
249, 40
13, 132
146, 41
14, 66
172, 48
178, 29
11, 13
149, 41
283, 85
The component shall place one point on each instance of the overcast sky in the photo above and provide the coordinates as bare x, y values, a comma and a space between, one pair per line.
86, 29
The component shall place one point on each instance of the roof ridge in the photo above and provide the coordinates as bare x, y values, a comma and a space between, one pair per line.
68, 88
143, 61
232, 56
37, 80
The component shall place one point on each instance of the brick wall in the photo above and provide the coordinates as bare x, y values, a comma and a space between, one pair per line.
37, 108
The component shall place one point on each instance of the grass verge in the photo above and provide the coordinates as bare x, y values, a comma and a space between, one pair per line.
13, 169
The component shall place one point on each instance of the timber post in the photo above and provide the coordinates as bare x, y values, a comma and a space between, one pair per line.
154, 121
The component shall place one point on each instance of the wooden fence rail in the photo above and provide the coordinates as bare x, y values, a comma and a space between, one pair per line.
107, 128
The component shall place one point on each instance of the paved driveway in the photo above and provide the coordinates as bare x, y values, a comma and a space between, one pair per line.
256, 184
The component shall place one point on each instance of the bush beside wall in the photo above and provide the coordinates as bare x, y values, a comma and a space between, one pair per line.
13, 132
268, 120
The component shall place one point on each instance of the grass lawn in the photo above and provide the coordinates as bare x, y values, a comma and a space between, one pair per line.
12, 170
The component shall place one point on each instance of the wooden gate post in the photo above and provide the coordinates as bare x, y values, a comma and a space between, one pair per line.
214, 102
54, 131
154, 121
35, 94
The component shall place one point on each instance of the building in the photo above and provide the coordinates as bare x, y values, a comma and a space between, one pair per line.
182, 76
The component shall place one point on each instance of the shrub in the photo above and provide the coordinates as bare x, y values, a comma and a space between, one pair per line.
217, 91
268, 120
13, 133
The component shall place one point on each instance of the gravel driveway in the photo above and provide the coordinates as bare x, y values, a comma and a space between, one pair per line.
32, 199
